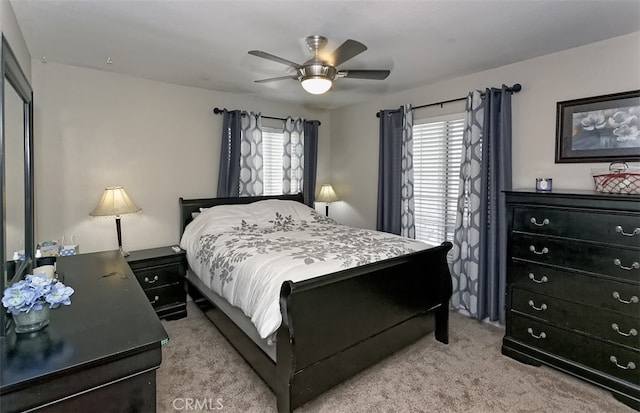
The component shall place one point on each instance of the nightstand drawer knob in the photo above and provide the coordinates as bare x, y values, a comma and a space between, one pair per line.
632, 332
532, 277
630, 365
532, 248
632, 300
533, 305
535, 222
155, 300
542, 335
620, 230
148, 281
634, 266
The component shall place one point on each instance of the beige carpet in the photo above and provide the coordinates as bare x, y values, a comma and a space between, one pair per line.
468, 375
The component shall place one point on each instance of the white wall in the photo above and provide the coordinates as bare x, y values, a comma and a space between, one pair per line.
160, 141
600, 68
10, 29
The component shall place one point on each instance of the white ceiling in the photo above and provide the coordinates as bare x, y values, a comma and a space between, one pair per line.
204, 43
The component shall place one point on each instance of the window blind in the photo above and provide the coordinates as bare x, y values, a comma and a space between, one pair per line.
437, 152
272, 152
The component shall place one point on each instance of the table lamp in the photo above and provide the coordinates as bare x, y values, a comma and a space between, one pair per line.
328, 195
114, 203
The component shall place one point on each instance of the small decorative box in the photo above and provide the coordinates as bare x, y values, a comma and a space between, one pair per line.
69, 249
49, 248
544, 184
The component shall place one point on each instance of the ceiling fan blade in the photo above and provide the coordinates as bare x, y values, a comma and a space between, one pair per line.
273, 79
271, 57
365, 74
347, 50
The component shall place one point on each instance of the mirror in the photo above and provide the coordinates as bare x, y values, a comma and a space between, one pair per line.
14, 175
16, 172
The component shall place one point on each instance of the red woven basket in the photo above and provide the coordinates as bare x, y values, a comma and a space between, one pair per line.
618, 179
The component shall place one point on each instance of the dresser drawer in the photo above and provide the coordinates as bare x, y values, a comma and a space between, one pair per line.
617, 361
616, 327
579, 288
605, 227
168, 294
151, 277
613, 261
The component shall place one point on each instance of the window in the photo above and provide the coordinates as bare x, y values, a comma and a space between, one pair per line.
437, 152
272, 152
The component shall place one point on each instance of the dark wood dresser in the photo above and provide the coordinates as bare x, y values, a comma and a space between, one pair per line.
161, 273
573, 286
98, 354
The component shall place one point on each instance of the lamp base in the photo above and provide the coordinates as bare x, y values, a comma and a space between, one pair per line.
118, 230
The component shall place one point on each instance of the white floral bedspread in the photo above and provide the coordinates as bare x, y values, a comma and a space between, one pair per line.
245, 252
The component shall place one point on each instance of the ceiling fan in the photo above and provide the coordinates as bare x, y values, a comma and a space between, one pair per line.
317, 74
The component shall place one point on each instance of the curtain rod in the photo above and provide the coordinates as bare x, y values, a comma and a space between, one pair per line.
513, 89
218, 111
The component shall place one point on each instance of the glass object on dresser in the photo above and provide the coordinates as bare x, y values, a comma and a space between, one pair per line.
16, 173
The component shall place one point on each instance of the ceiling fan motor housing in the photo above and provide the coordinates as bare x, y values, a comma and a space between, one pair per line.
316, 71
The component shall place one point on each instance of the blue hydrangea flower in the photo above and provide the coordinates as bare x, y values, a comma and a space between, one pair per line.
60, 294
33, 292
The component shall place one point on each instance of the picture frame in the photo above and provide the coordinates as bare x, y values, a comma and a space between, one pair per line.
599, 129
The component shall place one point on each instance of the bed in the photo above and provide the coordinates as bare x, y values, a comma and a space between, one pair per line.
330, 326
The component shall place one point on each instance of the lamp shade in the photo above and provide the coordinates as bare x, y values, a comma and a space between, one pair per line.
115, 202
327, 194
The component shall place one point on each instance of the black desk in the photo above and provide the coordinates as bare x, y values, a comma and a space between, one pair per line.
101, 352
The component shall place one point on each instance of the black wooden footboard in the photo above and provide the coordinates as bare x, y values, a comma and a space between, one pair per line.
336, 325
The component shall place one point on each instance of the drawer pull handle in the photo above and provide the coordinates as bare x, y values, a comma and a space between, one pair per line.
532, 277
533, 305
630, 365
632, 300
634, 266
545, 250
539, 337
633, 332
544, 222
155, 299
620, 230
148, 281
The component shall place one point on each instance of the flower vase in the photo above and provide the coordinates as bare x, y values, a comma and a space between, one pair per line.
32, 320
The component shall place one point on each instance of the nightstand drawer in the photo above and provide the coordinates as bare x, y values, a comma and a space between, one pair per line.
618, 229
152, 277
161, 274
615, 327
613, 261
168, 294
579, 288
609, 359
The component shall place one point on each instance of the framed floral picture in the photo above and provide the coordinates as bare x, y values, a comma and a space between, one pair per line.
599, 129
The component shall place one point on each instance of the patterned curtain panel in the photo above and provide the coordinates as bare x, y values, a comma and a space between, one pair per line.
395, 173
293, 158
310, 161
240, 172
408, 227
479, 246
251, 173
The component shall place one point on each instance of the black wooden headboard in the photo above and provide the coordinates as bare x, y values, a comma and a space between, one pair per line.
188, 206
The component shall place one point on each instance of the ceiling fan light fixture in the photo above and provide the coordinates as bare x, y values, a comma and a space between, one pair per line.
316, 85
316, 78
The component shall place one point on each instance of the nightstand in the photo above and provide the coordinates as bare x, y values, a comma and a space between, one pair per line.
161, 272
